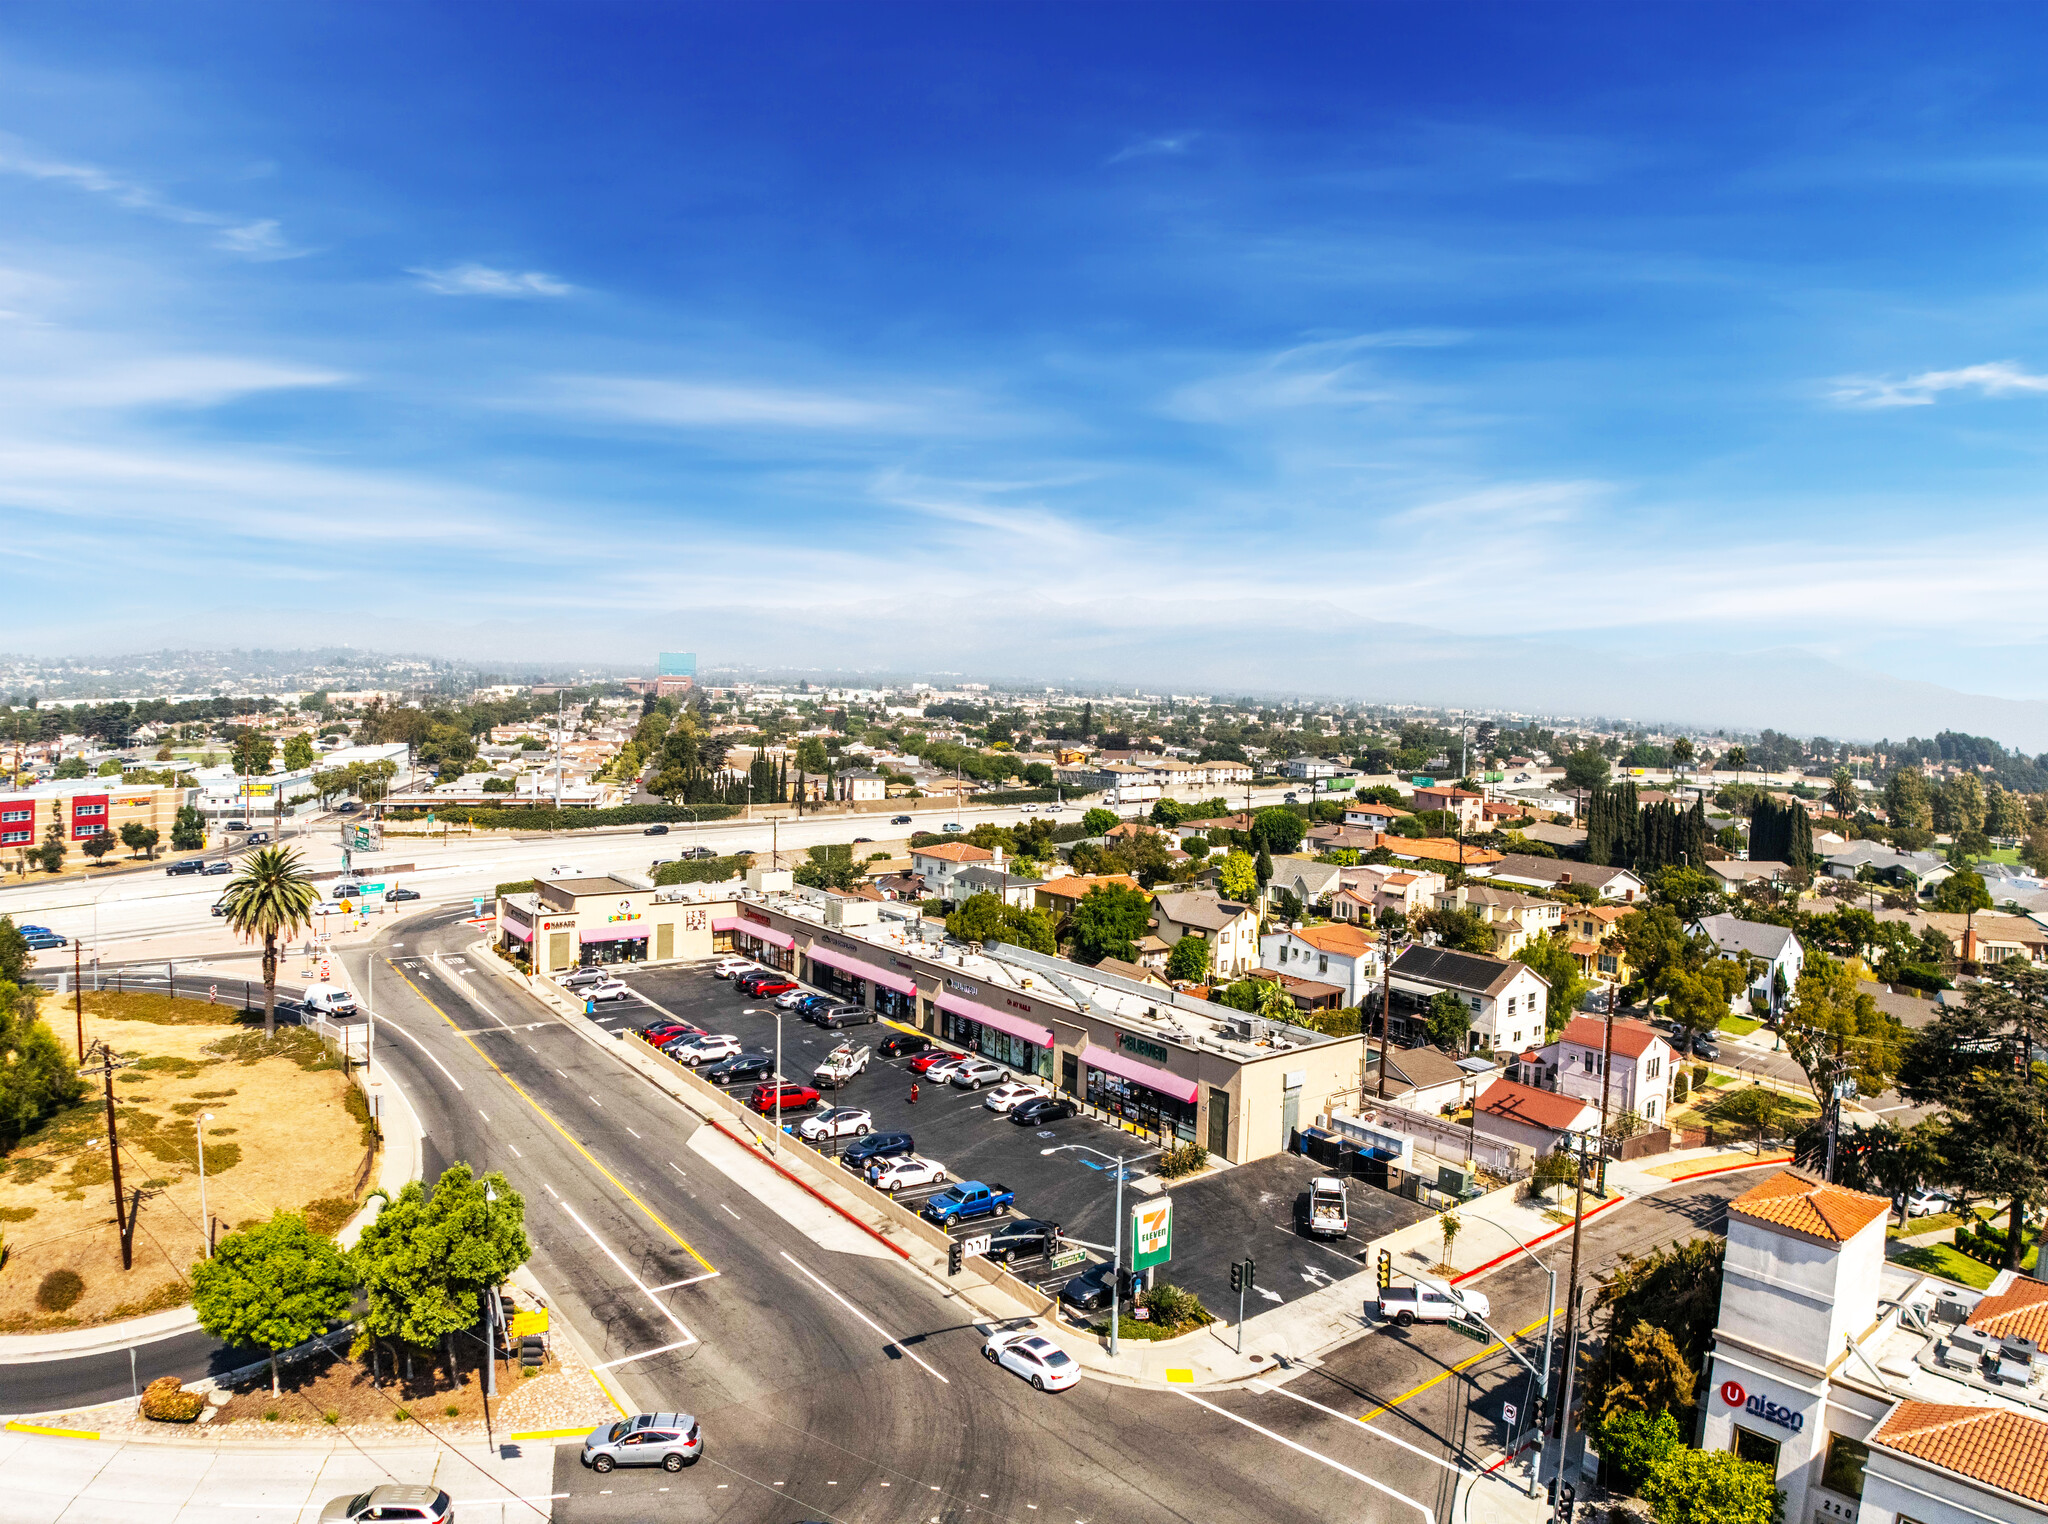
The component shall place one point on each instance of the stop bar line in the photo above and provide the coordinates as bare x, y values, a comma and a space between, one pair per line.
688, 1337
1334, 1465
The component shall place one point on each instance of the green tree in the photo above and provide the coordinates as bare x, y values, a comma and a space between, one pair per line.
1712, 1487
1834, 1019
1586, 768
1694, 895
1261, 997
139, 838
1841, 794
979, 919
2005, 813
1459, 930
1450, 1019
1109, 922
254, 752
1962, 894
1753, 1107
71, 767
811, 756
1675, 1290
1737, 758
1907, 803
1262, 867
1100, 822
16, 957
1030, 929
188, 831
271, 898
273, 1287
829, 867
1681, 749
1634, 1443
1277, 829
298, 752
51, 852
99, 844
37, 1074
1550, 955
1237, 877
1189, 960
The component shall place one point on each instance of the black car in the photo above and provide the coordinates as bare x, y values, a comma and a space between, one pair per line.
900, 820
215, 869
655, 830
752, 1064
1091, 1289
401, 894
903, 1044
256, 838
1046, 1108
347, 807
1025, 1238
1704, 1046
862, 1152
693, 853
220, 906
189, 865
811, 1007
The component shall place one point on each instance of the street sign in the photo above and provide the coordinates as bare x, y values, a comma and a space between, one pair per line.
975, 1245
1067, 1257
1471, 1331
1508, 1414
1151, 1233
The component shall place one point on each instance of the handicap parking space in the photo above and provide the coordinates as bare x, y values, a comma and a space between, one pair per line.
1255, 1212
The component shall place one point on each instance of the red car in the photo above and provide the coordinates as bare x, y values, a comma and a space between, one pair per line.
668, 1035
762, 989
930, 1056
794, 1097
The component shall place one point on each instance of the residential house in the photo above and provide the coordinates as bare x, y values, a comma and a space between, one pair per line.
1311, 768
1734, 872
1506, 999
1425, 1079
1772, 953
1441, 849
1338, 838
1375, 817
1009, 887
1401, 890
1060, 895
1642, 1067
942, 861
1987, 937
1135, 971
863, 787
1231, 929
1917, 871
1512, 917
1556, 873
1530, 1118
1589, 927
1306, 879
1464, 806
1354, 907
1333, 953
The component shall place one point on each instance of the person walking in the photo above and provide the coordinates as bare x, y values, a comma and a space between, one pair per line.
913, 1092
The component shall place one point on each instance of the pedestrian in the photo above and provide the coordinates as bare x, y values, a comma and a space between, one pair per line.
913, 1092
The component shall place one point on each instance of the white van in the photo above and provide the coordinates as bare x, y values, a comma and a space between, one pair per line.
1430, 1302
329, 1000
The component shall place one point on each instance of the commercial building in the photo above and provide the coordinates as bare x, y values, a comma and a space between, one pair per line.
81, 808
568, 923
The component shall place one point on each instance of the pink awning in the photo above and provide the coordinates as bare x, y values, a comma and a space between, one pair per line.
623, 931
1153, 1079
726, 923
761, 933
514, 930
860, 970
1002, 1021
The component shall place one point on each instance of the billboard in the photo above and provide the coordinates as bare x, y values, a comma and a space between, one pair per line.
677, 664
1152, 1233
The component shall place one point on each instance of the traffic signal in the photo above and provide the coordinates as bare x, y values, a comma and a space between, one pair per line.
1251, 1272
1237, 1275
955, 1258
1386, 1269
1566, 1499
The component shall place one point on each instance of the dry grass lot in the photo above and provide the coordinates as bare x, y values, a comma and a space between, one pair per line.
288, 1131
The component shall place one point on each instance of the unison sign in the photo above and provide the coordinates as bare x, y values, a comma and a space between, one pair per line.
1756, 1406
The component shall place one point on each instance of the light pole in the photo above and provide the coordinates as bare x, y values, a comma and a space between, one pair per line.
1116, 1279
205, 1223
778, 1071
1541, 1382
490, 1317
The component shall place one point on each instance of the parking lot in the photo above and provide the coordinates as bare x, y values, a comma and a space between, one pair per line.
1063, 1173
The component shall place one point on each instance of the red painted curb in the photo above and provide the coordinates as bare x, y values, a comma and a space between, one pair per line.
806, 1186
1544, 1239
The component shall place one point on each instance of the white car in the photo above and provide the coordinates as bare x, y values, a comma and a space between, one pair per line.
1034, 1357
1054, 809
838, 1122
708, 1049
893, 1175
975, 1073
787, 1000
1006, 1098
731, 968
1030, 809
942, 1071
1927, 1203
607, 989
568, 870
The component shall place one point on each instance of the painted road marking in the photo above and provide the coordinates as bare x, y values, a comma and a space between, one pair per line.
894, 1342
625, 1270
1334, 1465
1491, 1349
1435, 1460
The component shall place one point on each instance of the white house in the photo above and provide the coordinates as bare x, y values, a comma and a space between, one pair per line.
1532, 1118
1556, 873
941, 863
1231, 929
1773, 953
1330, 954
1641, 1081
1506, 999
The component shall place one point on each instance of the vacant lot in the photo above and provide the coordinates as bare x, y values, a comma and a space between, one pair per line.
287, 1131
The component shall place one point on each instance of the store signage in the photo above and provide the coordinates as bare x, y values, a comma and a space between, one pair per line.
965, 989
1139, 1047
756, 917
1151, 1233
629, 916
696, 920
1754, 1404
557, 925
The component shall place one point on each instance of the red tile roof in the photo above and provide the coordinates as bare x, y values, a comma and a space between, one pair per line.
1830, 1212
1996, 1446
2020, 1311
1631, 1038
955, 852
1537, 1108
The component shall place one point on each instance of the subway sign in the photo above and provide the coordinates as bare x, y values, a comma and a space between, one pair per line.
1756, 1406
1140, 1048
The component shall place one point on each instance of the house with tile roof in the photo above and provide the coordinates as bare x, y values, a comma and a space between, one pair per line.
1642, 1064
940, 864
1938, 1461
1060, 895
1347, 957
1231, 929
1531, 1118
1442, 851
1512, 916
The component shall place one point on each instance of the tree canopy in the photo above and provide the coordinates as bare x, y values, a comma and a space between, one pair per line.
1108, 922
273, 1286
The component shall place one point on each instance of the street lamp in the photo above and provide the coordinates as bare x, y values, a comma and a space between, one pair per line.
205, 1223
1541, 1383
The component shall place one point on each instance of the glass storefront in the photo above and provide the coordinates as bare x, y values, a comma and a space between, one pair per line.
1141, 1104
837, 981
623, 950
891, 1006
765, 953
1000, 1046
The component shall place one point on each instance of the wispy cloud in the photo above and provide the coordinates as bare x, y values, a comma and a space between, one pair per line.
1166, 145
721, 404
1999, 378
1322, 373
166, 380
258, 239
483, 280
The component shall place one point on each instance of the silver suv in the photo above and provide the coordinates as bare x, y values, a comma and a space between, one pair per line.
669, 1440
411, 1505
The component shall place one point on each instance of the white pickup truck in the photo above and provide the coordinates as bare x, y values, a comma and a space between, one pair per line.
1431, 1302
840, 1065
1328, 1215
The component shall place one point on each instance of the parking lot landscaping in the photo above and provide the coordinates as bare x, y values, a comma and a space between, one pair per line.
289, 1131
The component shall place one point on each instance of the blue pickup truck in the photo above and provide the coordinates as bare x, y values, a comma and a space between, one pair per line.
968, 1199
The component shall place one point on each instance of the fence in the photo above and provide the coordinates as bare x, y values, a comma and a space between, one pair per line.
1656, 1141
1448, 1140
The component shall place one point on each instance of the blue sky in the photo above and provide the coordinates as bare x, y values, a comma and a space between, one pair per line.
1596, 354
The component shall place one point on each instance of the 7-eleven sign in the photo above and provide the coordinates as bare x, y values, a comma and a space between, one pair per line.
1151, 1233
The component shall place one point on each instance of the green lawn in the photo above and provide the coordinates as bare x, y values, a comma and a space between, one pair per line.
1739, 1026
2007, 855
1934, 1222
1940, 1259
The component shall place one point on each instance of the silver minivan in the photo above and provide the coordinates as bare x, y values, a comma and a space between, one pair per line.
668, 1440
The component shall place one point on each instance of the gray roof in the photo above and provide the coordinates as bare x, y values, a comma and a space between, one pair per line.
1206, 912
1473, 972
1756, 939
1553, 870
994, 880
1422, 1067
1878, 854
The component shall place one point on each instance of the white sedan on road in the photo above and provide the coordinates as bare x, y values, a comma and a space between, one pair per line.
838, 1122
1034, 1357
893, 1175
1007, 1098
708, 1049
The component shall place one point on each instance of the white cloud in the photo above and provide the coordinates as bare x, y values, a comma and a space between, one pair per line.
482, 280
715, 404
1165, 146
1321, 373
259, 239
1999, 378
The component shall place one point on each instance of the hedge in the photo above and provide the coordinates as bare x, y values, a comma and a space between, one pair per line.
1018, 796
531, 818
703, 870
522, 886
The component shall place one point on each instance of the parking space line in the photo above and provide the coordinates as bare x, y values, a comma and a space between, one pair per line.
690, 1281
605, 1365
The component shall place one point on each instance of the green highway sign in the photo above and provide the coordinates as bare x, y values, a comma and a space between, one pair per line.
1471, 1331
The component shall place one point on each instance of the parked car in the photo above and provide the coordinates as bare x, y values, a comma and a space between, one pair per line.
1090, 1291
763, 985
576, 978
214, 869
43, 940
973, 1073
840, 1066
189, 865
1034, 1357
415, 1505
655, 830
747, 1064
669, 1440
968, 1200
1704, 1046
899, 820
706, 1048
730, 967
811, 1007
391, 895
1430, 1302
668, 1030
1926, 1203
347, 807
1006, 1098
903, 1044
1026, 1238
1049, 1108
608, 989
794, 1097
1329, 1214
841, 1016
904, 1173
859, 839
931, 1059
836, 1122
875, 1147
789, 1000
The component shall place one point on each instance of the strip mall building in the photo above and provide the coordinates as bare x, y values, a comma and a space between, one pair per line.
1177, 1069
83, 807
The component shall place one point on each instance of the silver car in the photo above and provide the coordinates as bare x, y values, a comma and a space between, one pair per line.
412, 1505
669, 1440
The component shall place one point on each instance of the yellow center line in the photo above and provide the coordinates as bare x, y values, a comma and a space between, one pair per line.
543, 1114
1491, 1349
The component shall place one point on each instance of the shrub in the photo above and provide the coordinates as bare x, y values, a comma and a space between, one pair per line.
1679, 1088
517, 886
1185, 1159
543, 818
703, 870
165, 1400
60, 1291
1634, 1444
1176, 1307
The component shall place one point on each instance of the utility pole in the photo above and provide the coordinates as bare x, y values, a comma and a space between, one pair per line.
1116, 1278
1386, 1001
108, 1063
1571, 1309
78, 998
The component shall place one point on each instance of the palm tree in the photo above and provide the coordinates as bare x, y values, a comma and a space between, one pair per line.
272, 898
1842, 793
